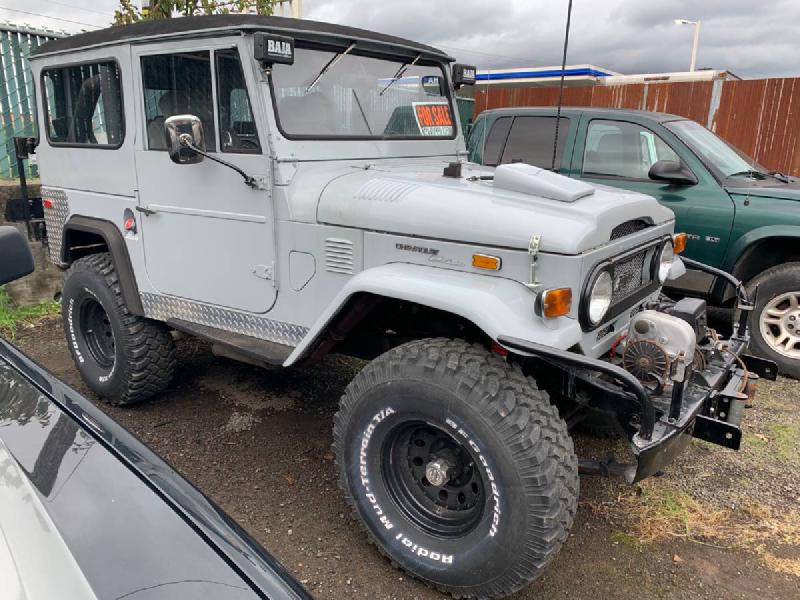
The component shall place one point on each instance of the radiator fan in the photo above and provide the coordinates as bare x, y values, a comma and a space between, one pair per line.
646, 360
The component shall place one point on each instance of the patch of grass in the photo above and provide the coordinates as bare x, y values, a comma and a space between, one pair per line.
626, 539
12, 316
786, 441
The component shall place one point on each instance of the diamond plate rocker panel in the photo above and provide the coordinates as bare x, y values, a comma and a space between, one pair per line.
163, 308
54, 219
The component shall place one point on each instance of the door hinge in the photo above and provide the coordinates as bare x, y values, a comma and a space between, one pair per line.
264, 272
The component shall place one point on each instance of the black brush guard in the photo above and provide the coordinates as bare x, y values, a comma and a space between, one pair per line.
708, 405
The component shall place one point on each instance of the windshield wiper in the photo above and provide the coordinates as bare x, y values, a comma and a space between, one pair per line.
780, 176
336, 58
749, 173
403, 68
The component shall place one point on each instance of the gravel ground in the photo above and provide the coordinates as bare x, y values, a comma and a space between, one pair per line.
258, 443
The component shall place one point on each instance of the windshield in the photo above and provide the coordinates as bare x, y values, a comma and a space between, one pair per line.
340, 94
721, 156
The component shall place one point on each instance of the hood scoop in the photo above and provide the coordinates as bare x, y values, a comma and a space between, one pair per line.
534, 181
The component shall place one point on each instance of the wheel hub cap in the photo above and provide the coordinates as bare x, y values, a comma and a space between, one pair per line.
437, 472
779, 324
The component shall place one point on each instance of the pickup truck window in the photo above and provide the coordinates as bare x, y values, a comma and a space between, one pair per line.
177, 84
83, 105
495, 141
531, 141
622, 149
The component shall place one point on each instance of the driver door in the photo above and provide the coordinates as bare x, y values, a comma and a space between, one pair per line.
207, 236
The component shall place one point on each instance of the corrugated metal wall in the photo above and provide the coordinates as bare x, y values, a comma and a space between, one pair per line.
759, 116
16, 91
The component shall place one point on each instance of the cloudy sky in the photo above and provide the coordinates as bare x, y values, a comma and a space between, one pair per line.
752, 39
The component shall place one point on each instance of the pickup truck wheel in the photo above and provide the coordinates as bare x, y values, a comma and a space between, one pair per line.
123, 358
457, 466
775, 322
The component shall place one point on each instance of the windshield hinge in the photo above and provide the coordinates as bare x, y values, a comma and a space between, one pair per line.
533, 251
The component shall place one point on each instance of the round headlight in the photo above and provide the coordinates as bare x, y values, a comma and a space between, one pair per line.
600, 297
665, 260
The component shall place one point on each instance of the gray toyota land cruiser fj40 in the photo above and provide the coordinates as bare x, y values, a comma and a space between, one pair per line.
335, 212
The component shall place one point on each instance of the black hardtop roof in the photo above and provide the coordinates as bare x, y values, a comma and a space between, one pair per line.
659, 117
206, 25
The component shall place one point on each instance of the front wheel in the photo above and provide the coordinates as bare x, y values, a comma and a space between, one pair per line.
775, 321
458, 467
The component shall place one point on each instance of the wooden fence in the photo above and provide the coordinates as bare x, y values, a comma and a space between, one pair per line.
761, 117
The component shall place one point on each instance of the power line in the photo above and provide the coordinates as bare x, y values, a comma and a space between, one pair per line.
35, 14
69, 5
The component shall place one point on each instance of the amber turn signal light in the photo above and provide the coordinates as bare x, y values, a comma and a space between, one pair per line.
556, 303
679, 242
484, 261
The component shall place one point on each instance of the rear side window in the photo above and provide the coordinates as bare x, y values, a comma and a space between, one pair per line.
495, 141
177, 84
83, 105
531, 141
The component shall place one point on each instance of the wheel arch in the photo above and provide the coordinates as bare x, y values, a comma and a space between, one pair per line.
83, 236
756, 251
492, 305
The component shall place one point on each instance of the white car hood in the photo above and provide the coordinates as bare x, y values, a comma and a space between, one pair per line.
418, 200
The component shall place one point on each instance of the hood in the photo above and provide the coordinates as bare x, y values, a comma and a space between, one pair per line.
782, 191
571, 217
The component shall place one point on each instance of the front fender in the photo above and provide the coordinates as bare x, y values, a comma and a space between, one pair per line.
496, 305
746, 241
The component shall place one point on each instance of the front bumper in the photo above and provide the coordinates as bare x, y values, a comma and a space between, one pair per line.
709, 406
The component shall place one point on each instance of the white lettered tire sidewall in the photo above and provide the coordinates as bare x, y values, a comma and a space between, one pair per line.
497, 538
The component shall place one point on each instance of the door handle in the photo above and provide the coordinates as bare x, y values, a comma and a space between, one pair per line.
146, 211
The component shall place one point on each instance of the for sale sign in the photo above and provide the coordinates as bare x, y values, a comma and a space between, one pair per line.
434, 118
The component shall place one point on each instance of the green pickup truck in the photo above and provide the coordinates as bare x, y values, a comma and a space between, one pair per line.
739, 216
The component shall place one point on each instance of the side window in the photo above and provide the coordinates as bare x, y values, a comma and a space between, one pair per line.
495, 141
531, 141
177, 84
83, 105
237, 127
625, 150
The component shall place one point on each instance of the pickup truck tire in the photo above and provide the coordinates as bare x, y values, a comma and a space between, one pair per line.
775, 322
457, 466
123, 358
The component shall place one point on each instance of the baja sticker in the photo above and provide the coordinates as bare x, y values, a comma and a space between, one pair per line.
433, 118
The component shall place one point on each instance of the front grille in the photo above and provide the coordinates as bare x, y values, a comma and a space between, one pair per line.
630, 276
628, 228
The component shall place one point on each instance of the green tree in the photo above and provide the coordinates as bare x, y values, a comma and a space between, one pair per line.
127, 13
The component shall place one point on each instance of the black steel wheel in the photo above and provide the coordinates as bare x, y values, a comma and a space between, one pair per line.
434, 478
457, 466
95, 328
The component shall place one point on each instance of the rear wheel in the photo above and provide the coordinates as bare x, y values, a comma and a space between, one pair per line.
775, 322
123, 358
457, 465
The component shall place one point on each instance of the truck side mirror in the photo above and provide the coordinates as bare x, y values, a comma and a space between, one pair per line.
184, 133
17, 260
671, 171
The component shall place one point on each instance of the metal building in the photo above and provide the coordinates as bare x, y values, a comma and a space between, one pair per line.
16, 89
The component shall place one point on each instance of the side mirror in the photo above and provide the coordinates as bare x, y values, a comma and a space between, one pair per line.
670, 171
180, 131
17, 260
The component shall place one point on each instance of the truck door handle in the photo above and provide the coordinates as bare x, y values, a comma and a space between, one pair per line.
146, 211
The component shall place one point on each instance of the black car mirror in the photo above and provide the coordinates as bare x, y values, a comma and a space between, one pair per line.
671, 171
17, 260
185, 139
